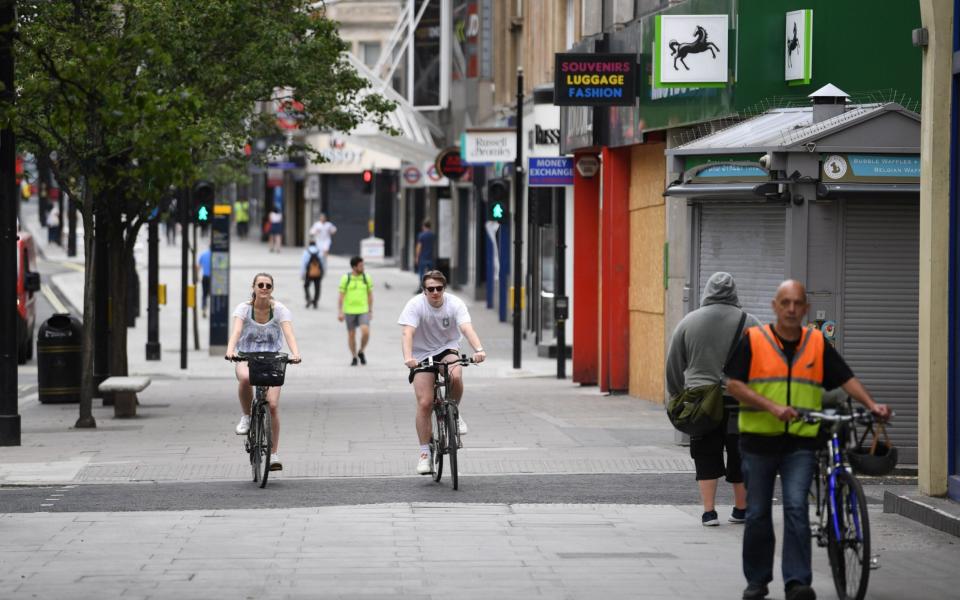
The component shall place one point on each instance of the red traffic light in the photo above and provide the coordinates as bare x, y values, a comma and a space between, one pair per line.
367, 176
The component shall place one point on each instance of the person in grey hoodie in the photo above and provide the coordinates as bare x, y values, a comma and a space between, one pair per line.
698, 349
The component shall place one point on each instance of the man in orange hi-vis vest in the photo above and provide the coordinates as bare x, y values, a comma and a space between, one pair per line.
775, 370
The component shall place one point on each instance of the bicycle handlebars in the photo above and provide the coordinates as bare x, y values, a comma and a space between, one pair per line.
860, 415
244, 357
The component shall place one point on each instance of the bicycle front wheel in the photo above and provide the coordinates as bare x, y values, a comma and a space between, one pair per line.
266, 442
453, 440
848, 537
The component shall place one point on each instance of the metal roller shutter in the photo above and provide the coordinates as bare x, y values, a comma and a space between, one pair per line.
880, 302
747, 241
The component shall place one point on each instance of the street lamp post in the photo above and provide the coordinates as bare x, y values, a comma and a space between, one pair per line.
9, 417
518, 225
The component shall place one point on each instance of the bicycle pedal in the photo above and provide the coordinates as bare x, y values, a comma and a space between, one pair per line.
874, 562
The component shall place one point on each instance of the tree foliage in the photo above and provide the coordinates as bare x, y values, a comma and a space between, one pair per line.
132, 97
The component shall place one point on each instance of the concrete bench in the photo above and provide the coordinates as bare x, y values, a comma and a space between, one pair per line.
124, 391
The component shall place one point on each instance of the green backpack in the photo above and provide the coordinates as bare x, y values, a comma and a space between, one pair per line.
698, 411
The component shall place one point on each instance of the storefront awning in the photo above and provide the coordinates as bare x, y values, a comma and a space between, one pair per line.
833, 190
743, 191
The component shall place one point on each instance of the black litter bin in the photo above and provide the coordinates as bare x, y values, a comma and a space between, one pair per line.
58, 359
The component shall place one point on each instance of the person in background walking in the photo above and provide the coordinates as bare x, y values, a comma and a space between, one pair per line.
276, 229
242, 216
170, 223
775, 370
698, 349
322, 232
53, 224
205, 267
356, 308
311, 271
424, 258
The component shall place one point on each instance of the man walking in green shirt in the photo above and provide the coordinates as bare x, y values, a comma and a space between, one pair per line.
356, 308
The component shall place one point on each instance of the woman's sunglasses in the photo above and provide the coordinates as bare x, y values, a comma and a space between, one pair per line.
265, 286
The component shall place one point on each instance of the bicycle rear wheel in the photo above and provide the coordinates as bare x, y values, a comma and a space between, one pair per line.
437, 444
266, 442
453, 439
848, 538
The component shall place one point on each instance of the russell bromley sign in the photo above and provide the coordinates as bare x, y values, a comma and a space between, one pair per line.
595, 79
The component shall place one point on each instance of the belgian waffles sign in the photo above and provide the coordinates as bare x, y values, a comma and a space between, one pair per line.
595, 80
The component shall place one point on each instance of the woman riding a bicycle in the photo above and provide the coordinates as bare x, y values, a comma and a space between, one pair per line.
258, 325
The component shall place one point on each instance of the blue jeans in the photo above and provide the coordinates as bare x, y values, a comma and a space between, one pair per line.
796, 474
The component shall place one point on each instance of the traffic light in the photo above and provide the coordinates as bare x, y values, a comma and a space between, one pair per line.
367, 181
498, 198
203, 202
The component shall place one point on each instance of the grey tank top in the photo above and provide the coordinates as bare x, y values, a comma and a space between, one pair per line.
261, 337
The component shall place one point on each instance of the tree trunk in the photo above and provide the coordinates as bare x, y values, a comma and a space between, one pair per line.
89, 307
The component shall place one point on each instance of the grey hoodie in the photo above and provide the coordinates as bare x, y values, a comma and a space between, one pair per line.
700, 343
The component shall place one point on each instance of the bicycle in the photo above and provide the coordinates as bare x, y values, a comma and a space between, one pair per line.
445, 438
267, 369
843, 526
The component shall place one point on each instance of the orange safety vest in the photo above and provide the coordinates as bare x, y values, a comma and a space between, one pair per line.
798, 383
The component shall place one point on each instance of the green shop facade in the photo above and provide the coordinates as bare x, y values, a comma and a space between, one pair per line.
811, 174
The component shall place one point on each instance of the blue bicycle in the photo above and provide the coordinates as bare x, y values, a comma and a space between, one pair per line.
843, 526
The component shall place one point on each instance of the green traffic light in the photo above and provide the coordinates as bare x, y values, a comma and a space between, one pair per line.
203, 214
497, 211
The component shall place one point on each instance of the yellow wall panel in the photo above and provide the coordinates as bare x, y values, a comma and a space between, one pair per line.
646, 356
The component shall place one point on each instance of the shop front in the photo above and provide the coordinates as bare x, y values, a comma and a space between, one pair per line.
827, 195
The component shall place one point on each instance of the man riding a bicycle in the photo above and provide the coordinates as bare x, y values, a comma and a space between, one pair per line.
775, 370
433, 325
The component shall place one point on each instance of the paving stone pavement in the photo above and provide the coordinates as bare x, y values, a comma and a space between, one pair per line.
427, 551
340, 422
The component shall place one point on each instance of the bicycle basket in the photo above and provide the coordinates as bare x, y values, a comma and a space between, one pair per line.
267, 369
877, 459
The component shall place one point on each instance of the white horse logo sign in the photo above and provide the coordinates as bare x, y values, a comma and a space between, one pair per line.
691, 50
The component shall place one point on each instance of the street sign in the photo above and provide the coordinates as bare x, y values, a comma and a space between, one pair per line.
550, 171
448, 163
491, 145
219, 278
588, 166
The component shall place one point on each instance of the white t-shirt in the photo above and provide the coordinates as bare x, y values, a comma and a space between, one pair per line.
438, 329
322, 234
275, 217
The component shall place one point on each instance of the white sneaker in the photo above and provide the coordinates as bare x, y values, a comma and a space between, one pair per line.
275, 464
462, 425
423, 466
243, 427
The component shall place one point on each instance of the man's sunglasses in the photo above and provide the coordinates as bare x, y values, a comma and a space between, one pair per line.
265, 286
434, 289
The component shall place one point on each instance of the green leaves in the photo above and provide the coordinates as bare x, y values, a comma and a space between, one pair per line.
139, 95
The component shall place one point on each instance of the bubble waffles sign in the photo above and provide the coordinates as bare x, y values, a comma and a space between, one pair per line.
691, 51
595, 79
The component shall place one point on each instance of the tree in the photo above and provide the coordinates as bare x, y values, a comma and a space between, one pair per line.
135, 96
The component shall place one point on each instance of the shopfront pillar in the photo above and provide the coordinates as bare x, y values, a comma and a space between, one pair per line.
614, 285
586, 277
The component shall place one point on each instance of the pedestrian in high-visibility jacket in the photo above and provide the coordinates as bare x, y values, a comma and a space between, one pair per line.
775, 370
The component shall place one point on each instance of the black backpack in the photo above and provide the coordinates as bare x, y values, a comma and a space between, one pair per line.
314, 267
